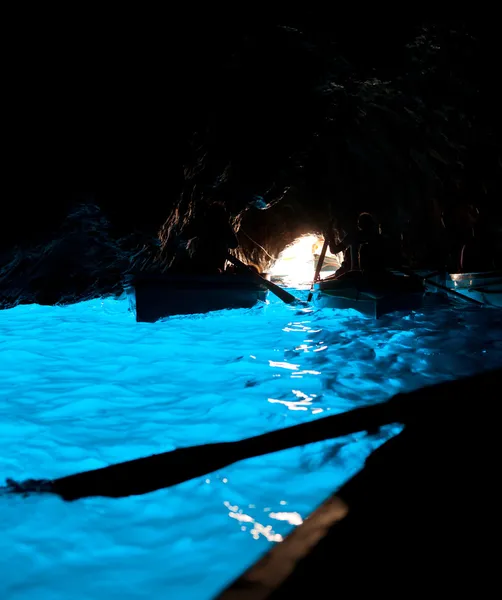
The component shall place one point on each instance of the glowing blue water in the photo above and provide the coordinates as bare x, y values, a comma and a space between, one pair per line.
85, 386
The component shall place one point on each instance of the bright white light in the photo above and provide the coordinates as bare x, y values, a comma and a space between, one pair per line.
283, 365
259, 529
296, 266
293, 518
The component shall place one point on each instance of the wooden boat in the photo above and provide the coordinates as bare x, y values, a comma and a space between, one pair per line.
153, 297
372, 296
406, 494
484, 287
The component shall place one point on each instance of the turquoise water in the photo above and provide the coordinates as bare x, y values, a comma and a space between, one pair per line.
85, 386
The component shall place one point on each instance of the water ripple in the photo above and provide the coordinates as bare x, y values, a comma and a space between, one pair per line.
85, 386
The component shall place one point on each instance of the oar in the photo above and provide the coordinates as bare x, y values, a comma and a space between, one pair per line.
144, 475
319, 267
452, 293
275, 289
159, 471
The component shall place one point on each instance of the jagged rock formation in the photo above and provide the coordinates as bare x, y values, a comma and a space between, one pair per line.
313, 120
82, 261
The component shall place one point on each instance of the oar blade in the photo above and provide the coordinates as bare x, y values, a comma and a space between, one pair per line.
281, 293
136, 477
318, 268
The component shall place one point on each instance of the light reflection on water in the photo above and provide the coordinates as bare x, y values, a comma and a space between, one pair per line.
85, 386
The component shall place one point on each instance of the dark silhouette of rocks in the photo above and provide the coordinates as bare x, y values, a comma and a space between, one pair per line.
321, 118
82, 260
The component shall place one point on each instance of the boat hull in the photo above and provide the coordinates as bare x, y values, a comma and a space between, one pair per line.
483, 287
370, 298
156, 297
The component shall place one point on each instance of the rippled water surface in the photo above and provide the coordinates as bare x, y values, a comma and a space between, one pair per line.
85, 386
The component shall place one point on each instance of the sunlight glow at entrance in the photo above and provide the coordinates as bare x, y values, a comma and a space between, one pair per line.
296, 264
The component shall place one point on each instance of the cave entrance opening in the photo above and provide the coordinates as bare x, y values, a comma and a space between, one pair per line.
296, 264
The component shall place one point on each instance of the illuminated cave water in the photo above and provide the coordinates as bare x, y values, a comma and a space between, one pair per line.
85, 386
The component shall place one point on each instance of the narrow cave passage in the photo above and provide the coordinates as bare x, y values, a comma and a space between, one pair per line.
296, 264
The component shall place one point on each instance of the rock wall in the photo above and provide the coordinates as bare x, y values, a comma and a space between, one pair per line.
319, 122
